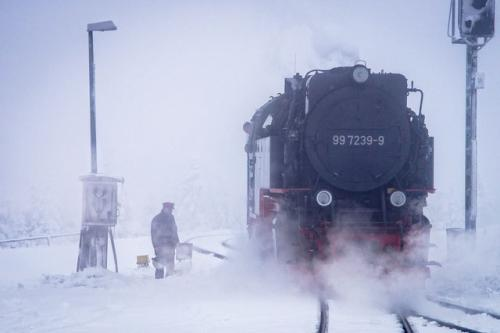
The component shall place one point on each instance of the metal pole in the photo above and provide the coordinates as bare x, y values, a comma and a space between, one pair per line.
470, 140
78, 261
93, 144
114, 248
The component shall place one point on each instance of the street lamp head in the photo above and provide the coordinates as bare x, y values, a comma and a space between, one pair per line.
101, 26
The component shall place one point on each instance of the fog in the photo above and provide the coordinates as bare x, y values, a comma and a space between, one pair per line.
175, 83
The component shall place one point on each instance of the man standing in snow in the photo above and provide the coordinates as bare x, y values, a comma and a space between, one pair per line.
165, 239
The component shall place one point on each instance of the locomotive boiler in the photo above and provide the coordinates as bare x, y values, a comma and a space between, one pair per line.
339, 158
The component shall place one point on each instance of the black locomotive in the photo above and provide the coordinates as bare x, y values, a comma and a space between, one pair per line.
340, 157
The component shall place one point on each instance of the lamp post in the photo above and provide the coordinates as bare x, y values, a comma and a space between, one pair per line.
99, 26
99, 192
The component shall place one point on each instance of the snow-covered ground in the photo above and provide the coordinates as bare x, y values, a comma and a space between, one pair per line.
41, 293
471, 273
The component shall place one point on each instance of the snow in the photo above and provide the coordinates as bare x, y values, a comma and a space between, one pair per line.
347, 317
473, 277
215, 296
481, 322
41, 293
109, 303
171, 157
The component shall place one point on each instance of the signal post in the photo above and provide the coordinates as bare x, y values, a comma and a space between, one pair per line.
476, 26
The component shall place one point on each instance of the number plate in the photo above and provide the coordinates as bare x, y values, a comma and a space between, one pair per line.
358, 140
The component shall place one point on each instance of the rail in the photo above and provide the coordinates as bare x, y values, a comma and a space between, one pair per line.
462, 308
323, 316
48, 238
408, 328
208, 252
405, 324
446, 324
228, 245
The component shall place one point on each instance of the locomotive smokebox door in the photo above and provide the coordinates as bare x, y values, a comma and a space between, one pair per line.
100, 203
356, 138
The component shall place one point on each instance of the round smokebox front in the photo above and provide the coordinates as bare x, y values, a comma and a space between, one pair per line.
357, 140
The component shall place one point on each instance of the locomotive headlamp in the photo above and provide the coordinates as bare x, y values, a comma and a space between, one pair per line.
324, 198
398, 198
247, 127
360, 74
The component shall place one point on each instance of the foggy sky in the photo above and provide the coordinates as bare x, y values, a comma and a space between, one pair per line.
177, 80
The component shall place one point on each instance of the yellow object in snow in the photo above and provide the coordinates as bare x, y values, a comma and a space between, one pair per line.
143, 261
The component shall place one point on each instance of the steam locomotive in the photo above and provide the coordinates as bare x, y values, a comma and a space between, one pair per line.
339, 158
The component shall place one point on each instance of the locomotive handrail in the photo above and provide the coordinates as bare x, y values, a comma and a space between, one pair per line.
421, 97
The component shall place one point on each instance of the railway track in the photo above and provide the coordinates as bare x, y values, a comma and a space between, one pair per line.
446, 324
405, 324
324, 310
323, 322
465, 309
226, 243
408, 328
205, 251
209, 252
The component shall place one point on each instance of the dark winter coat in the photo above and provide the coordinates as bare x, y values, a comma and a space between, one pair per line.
164, 231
